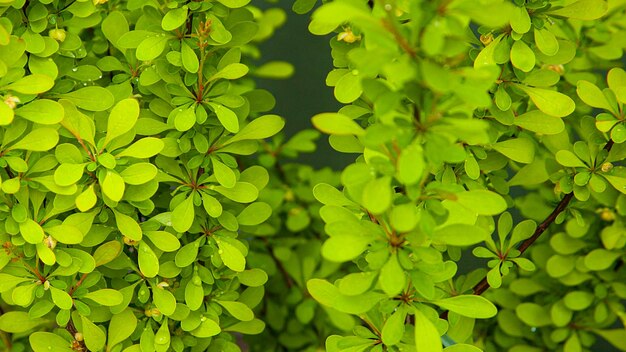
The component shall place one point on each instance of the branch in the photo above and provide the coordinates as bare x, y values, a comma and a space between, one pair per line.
483, 285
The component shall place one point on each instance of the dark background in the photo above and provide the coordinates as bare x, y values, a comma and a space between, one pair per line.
304, 94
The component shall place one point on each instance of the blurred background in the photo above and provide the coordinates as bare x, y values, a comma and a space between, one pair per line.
305, 93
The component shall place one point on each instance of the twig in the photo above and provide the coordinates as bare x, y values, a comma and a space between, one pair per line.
483, 285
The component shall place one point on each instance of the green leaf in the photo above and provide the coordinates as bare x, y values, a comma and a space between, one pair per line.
342, 248
38, 140
234, 4
189, 58
68, 174
237, 309
337, 124
231, 256
41, 111
185, 118
254, 214
139, 173
187, 254
586, 10
174, 18
152, 47
114, 26
274, 70
87, 199
568, 159
259, 128
323, 291
616, 337
122, 325
106, 297
533, 314
539, 122
393, 330
17, 322
148, 261
122, 119
578, 300
591, 95
105, 253
92, 98
348, 87
31, 231
518, 149
482, 202
231, 71
470, 306
486, 56
522, 56
243, 192
392, 278
67, 234
377, 195
32, 84
546, 41
427, 338
303, 6
619, 183
601, 259
253, 277
6, 115
550, 102
616, 78
183, 215
520, 20
163, 240
410, 165
127, 226
211, 205
8, 282
61, 298
194, 293
462, 347
225, 175
227, 117
94, 337
164, 300
48, 342
113, 186
143, 148
207, 328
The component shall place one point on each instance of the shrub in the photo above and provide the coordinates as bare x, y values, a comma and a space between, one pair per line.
126, 199
145, 208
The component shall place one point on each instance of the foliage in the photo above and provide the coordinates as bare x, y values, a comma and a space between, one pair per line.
126, 205
145, 209
464, 116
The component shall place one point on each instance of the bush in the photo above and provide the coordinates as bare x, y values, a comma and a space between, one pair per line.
148, 203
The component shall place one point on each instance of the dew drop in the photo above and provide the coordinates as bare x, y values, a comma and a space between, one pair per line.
220, 252
75, 69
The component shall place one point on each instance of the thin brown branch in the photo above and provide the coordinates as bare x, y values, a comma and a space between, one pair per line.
483, 285
77, 285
